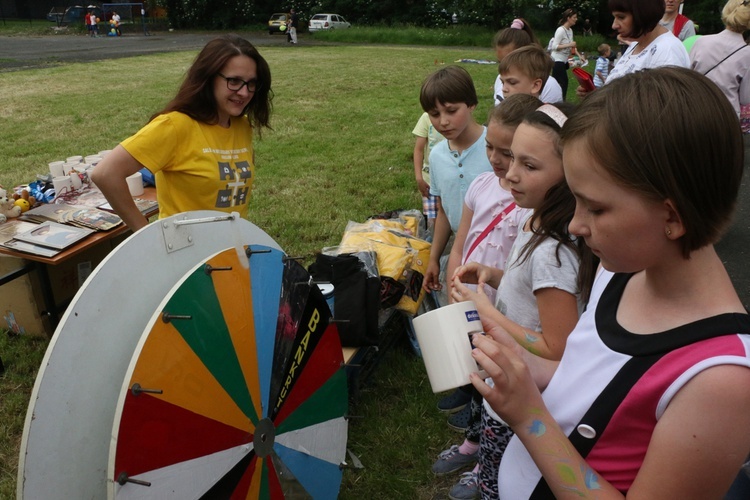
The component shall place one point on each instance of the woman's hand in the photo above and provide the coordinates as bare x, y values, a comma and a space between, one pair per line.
582, 93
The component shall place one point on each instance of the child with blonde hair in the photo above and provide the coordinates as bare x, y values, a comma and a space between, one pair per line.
602, 65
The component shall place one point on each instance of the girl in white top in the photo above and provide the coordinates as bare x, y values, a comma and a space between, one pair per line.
562, 47
651, 45
488, 199
547, 272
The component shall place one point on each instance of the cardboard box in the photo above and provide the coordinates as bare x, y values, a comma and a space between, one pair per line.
22, 301
20, 313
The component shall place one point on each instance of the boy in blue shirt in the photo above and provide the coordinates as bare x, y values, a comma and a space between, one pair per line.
602, 65
449, 98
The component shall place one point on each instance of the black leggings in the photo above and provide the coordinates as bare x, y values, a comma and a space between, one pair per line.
560, 73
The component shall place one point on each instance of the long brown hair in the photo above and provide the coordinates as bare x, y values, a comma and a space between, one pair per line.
196, 98
552, 218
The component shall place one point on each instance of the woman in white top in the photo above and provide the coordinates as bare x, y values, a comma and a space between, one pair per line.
562, 46
651, 45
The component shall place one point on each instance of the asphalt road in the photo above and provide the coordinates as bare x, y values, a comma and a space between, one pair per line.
734, 247
18, 53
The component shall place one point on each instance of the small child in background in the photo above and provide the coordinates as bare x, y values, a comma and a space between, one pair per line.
602, 65
518, 35
525, 71
426, 139
449, 98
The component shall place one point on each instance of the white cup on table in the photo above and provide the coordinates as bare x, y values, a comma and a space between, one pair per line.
75, 179
92, 159
74, 159
56, 168
68, 166
135, 184
63, 185
444, 337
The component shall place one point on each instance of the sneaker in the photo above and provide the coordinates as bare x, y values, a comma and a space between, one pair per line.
454, 401
451, 460
467, 487
460, 420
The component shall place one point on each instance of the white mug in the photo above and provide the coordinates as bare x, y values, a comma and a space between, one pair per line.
63, 185
135, 184
68, 166
444, 337
56, 168
75, 179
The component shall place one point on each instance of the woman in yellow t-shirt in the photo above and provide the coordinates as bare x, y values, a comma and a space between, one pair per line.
200, 146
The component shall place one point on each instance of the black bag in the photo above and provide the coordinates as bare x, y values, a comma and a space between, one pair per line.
356, 297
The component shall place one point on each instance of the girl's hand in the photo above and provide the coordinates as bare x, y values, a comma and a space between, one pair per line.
515, 397
473, 273
541, 369
461, 293
432, 278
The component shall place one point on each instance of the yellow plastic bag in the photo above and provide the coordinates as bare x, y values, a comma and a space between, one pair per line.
400, 256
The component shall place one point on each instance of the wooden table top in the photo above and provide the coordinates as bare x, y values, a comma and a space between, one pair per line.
149, 193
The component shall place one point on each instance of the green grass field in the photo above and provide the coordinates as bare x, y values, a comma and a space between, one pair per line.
340, 150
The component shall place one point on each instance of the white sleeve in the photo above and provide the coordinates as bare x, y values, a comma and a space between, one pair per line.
558, 39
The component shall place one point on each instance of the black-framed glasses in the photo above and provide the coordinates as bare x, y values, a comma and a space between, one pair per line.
236, 84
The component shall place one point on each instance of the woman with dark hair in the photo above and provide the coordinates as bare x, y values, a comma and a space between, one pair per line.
562, 46
650, 44
200, 146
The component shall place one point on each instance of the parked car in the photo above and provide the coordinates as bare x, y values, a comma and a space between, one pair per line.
276, 21
54, 15
320, 22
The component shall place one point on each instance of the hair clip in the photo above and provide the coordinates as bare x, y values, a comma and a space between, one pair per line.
517, 24
554, 113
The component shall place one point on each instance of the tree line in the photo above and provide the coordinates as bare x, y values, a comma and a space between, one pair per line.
493, 14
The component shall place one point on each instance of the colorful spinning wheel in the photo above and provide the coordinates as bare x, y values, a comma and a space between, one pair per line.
236, 389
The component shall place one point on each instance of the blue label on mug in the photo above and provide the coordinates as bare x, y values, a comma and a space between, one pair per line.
472, 316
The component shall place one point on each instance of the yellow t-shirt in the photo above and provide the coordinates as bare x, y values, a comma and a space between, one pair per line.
197, 166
